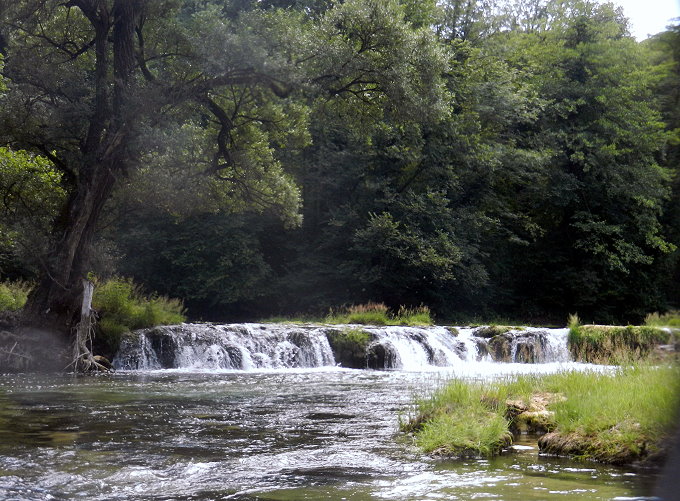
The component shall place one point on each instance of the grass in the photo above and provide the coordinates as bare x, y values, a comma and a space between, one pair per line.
670, 319
123, 307
379, 314
462, 418
13, 295
617, 418
612, 344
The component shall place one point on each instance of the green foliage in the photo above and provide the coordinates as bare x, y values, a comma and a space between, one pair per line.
122, 307
516, 160
13, 295
349, 346
31, 193
369, 314
211, 261
610, 344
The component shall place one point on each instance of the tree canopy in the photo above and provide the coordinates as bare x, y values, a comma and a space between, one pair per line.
268, 157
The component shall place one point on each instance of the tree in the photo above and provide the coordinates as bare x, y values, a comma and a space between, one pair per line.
195, 98
600, 215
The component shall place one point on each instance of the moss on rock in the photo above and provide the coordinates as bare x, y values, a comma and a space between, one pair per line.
350, 346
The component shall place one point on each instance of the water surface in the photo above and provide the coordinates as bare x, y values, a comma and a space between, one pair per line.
322, 434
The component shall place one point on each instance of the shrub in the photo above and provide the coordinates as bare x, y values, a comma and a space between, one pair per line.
420, 315
122, 307
13, 295
610, 344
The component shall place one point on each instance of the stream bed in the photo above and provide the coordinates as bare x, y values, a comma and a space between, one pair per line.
293, 434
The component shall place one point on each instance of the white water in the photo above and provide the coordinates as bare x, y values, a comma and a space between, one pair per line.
274, 346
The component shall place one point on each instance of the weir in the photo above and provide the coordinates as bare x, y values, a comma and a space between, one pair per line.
276, 346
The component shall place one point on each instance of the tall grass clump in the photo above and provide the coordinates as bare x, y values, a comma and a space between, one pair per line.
616, 417
122, 307
670, 319
612, 344
379, 314
418, 315
461, 419
13, 295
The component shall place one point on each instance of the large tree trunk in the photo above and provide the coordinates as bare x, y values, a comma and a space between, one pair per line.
56, 301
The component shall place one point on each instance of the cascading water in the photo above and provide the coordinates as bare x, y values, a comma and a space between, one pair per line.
265, 346
238, 346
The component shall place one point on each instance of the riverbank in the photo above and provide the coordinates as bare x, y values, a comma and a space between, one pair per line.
623, 416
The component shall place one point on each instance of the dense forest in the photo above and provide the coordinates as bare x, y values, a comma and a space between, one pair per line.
275, 157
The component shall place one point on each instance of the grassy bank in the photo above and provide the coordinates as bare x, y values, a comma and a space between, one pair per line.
670, 319
613, 344
616, 418
380, 314
365, 314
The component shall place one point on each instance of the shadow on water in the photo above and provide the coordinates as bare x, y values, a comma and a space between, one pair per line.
271, 435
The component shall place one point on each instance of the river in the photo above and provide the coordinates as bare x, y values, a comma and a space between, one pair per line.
322, 433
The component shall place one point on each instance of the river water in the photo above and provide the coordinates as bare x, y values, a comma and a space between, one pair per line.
284, 434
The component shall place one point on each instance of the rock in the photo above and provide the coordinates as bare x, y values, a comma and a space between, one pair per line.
103, 361
500, 348
490, 331
350, 347
381, 355
532, 417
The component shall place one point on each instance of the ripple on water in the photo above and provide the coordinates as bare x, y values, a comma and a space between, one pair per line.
277, 435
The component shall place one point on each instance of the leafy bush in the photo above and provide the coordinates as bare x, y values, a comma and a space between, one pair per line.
13, 295
610, 344
122, 307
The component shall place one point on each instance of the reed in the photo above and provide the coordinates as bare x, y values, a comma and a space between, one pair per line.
669, 319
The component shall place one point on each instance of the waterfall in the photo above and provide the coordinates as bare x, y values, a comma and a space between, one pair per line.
276, 346
236, 346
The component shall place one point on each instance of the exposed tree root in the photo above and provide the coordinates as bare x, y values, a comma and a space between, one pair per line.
83, 359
